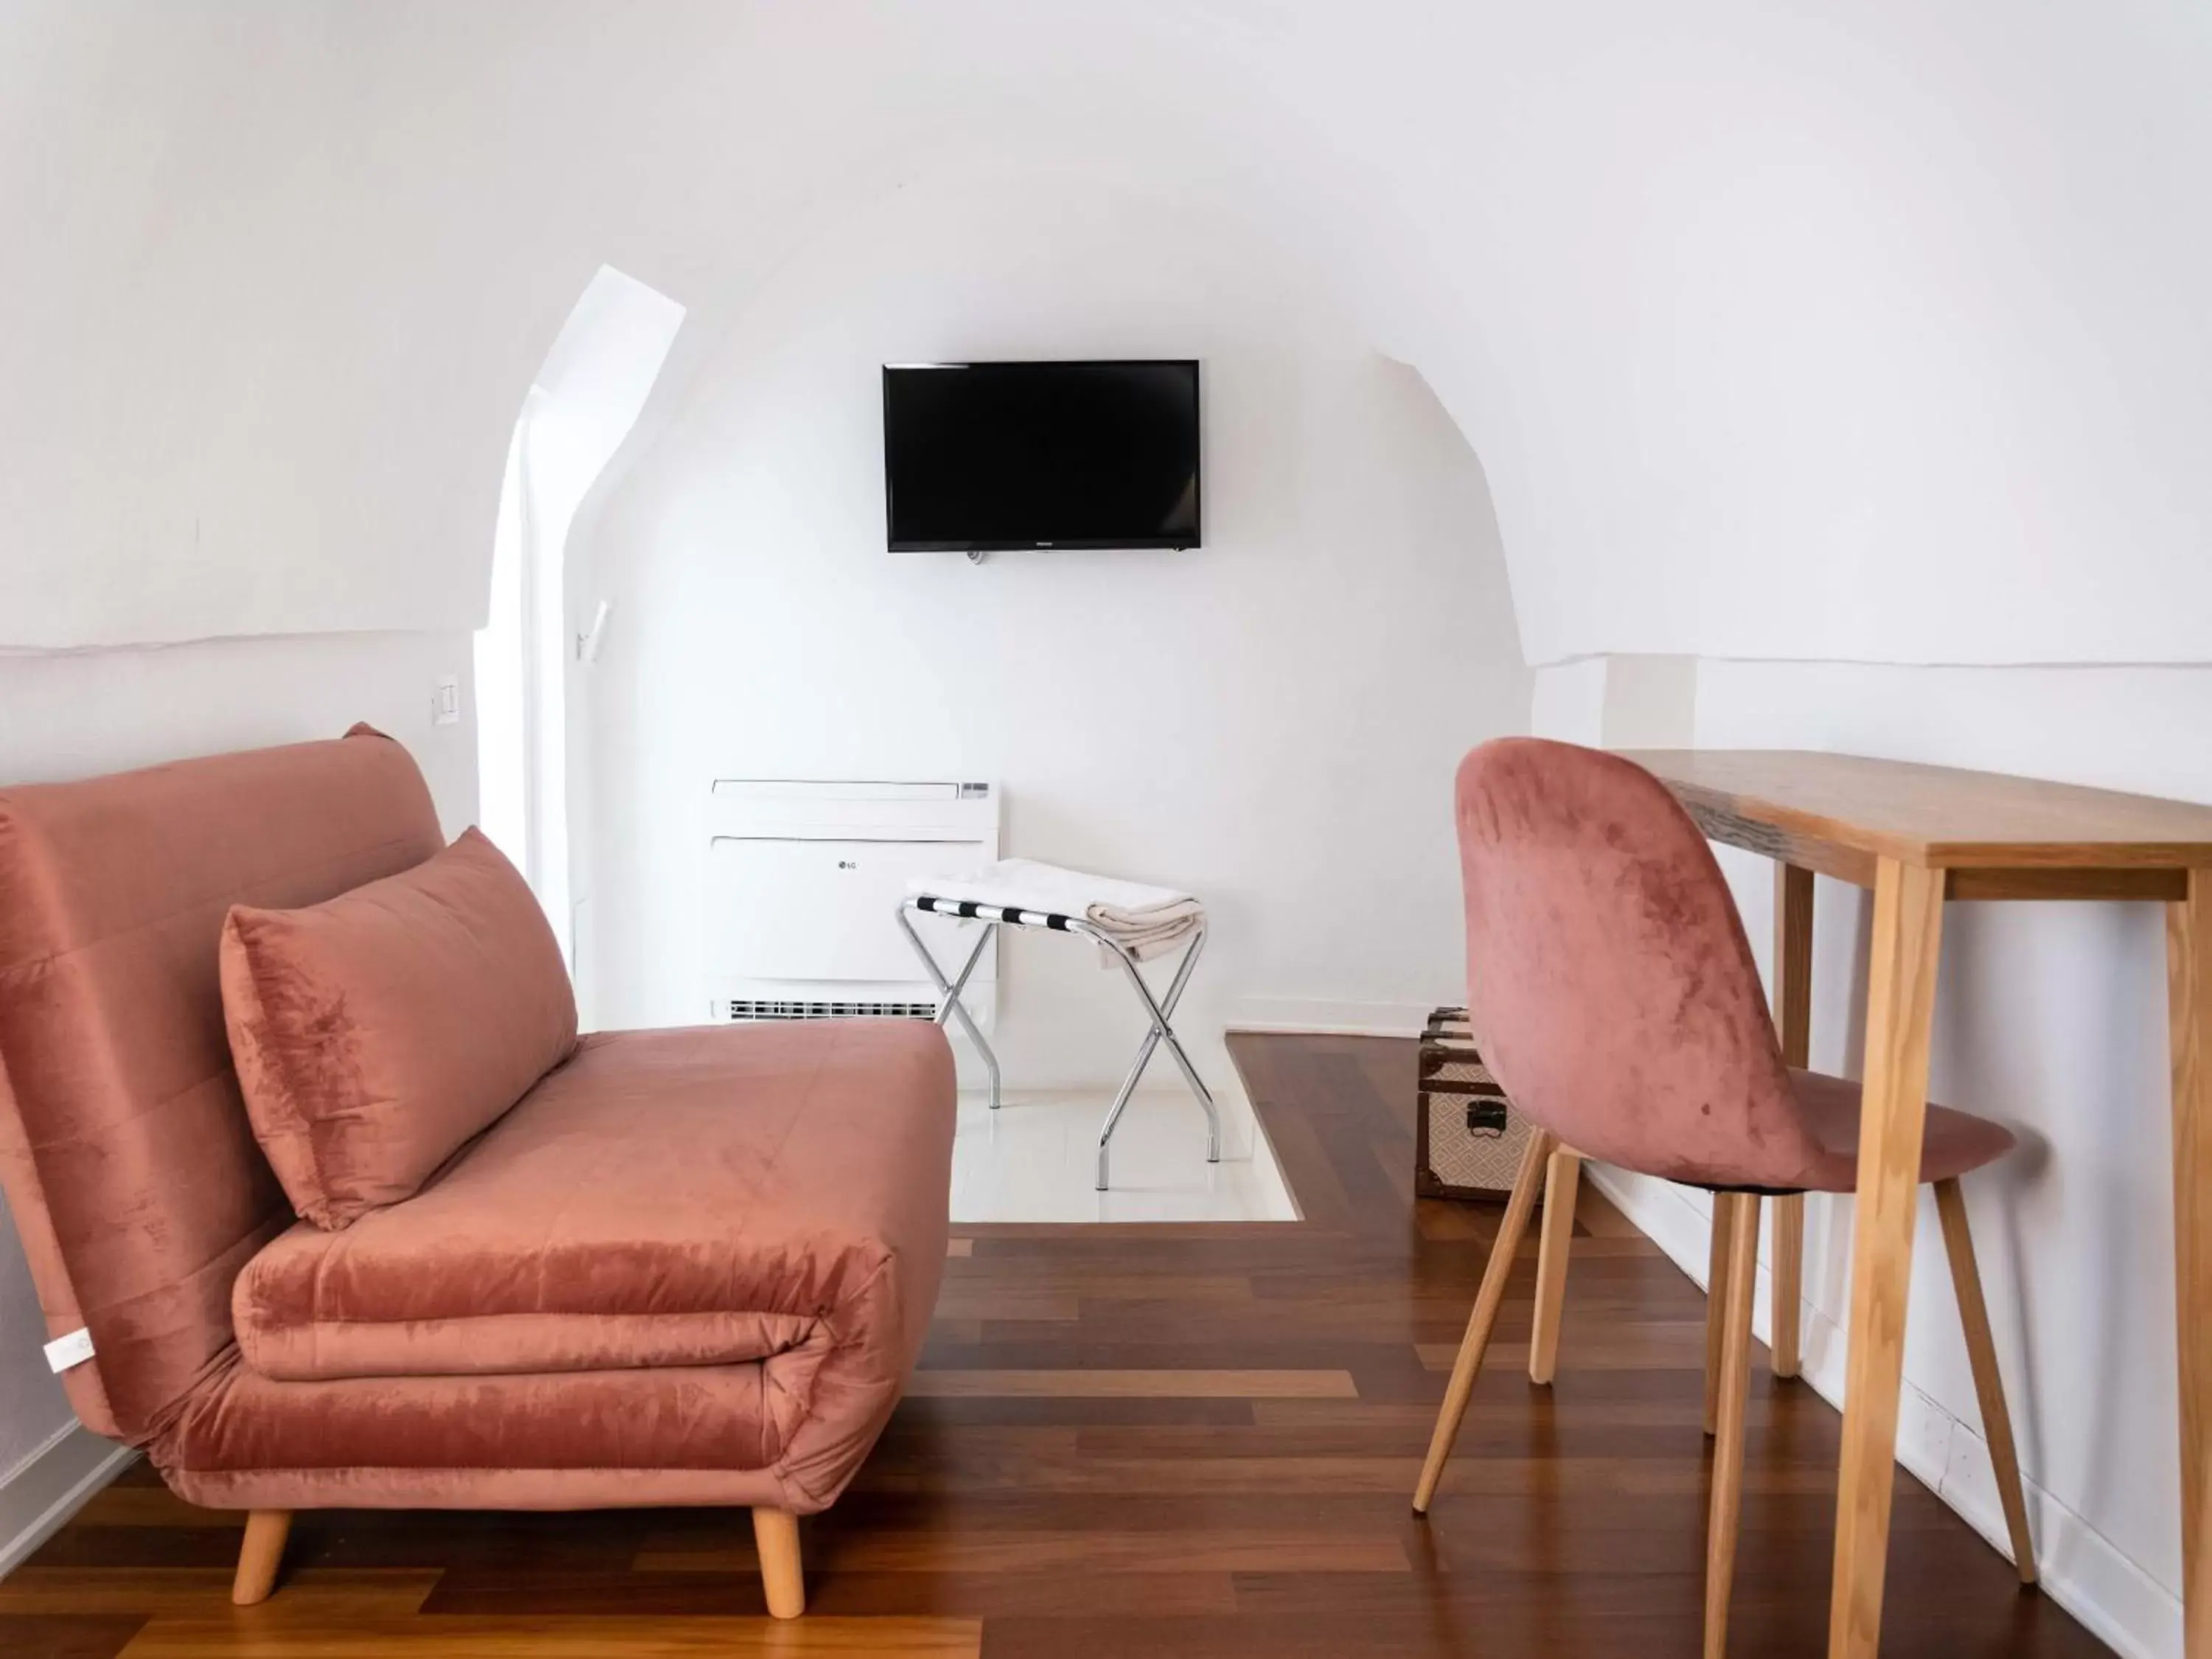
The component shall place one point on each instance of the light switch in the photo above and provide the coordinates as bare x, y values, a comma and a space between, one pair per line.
446, 706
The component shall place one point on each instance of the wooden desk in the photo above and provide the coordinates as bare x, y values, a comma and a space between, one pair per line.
1917, 836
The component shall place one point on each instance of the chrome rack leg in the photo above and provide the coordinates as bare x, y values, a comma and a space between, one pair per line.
1160, 1009
949, 1004
1129, 1087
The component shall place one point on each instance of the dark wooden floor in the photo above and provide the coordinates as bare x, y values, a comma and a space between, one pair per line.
1146, 1441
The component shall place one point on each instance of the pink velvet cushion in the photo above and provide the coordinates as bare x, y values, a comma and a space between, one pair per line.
377, 1032
701, 1196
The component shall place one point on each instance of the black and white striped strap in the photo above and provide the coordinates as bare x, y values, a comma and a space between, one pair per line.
975, 912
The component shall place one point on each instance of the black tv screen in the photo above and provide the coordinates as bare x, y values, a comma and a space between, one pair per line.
993, 457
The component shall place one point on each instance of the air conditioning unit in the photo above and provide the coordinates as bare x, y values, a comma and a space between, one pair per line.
804, 879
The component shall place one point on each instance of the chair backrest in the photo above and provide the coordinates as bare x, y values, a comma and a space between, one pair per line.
1609, 982
130, 1166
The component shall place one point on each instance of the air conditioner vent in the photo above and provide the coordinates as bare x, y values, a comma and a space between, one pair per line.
748, 1009
803, 887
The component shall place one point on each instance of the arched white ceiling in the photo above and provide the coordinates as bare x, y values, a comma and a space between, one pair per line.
1869, 331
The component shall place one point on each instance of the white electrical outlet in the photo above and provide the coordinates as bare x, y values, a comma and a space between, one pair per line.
445, 706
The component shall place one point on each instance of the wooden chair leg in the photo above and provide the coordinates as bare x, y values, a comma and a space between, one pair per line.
1562, 1178
1741, 1284
1486, 1302
1785, 1354
1988, 1386
259, 1553
1716, 1278
775, 1535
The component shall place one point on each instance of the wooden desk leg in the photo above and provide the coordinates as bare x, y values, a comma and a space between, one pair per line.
1785, 1353
1908, 926
2189, 982
1793, 1024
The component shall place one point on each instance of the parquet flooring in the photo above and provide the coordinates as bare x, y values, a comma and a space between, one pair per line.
1148, 1441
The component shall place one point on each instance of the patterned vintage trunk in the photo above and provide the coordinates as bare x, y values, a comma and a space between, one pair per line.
1468, 1138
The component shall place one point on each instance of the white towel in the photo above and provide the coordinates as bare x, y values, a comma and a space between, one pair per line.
1143, 920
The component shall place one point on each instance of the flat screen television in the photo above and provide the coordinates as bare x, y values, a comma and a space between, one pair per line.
982, 457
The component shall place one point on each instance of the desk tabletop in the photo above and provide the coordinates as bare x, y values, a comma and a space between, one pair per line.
1840, 813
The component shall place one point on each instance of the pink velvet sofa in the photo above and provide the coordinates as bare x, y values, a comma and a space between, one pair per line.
689, 1266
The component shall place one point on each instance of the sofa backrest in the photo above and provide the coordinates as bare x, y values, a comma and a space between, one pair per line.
128, 1160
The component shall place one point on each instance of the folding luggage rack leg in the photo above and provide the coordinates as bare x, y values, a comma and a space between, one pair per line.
948, 990
1161, 1009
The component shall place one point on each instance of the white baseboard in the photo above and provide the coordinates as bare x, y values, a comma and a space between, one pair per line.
1328, 1018
2079, 1568
51, 1485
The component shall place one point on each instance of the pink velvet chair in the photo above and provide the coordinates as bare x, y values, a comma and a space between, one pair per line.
1615, 996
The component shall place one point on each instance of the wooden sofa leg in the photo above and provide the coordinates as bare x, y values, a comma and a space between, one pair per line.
776, 1533
260, 1555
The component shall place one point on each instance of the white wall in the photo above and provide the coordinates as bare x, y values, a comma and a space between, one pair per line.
1864, 332
1861, 331
1270, 720
81, 714
270, 311
2051, 1017
1567, 701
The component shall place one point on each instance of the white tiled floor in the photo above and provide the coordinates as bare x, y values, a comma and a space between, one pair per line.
1034, 1157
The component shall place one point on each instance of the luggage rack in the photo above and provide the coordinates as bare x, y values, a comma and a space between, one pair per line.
1159, 1008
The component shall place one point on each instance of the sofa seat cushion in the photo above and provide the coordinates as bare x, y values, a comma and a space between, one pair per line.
674, 1418
700, 1197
